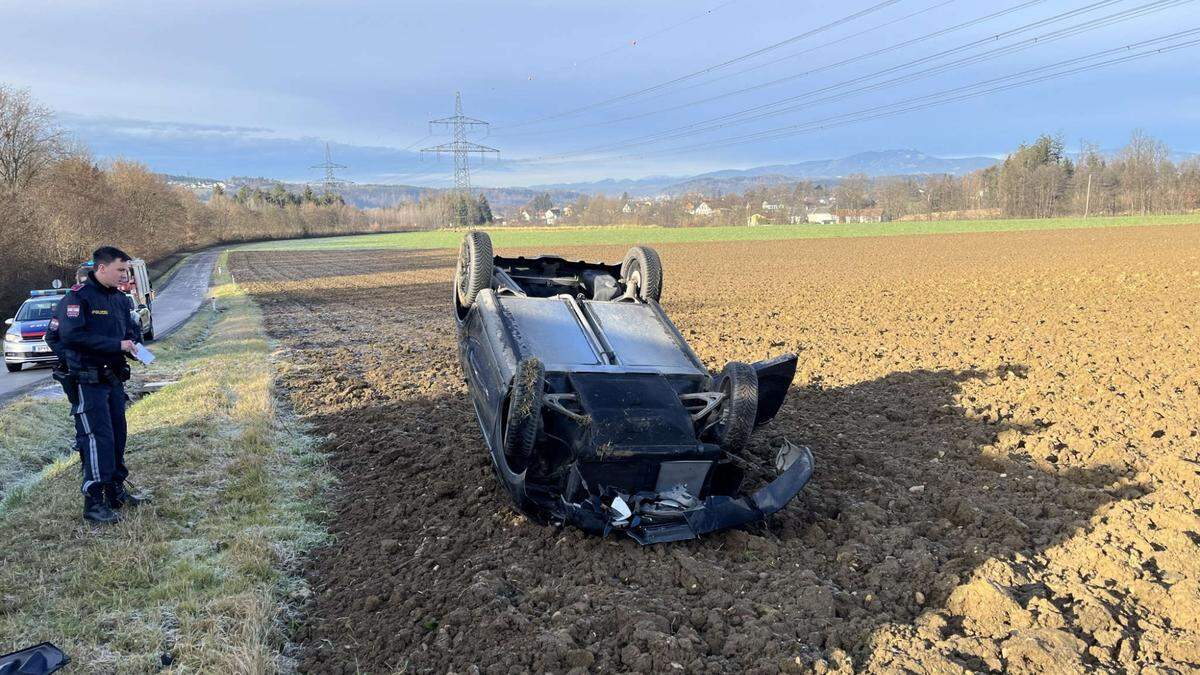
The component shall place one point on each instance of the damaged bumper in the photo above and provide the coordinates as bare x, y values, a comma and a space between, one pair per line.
713, 514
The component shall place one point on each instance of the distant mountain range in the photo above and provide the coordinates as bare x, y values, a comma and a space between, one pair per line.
372, 196
874, 164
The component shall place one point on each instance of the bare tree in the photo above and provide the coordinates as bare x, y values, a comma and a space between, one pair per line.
894, 196
1140, 162
851, 192
29, 139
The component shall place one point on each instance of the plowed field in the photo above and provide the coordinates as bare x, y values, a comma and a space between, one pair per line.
1005, 431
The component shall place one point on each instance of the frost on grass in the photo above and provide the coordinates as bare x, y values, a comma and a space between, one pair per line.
200, 578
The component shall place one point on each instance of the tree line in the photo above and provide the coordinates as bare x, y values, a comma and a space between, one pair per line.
1041, 180
278, 195
57, 204
436, 209
1037, 180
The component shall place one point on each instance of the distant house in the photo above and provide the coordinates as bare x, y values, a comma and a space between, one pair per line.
526, 216
859, 215
552, 216
703, 210
821, 218
758, 219
627, 209
568, 211
767, 206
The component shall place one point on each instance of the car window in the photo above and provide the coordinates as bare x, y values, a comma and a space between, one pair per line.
37, 310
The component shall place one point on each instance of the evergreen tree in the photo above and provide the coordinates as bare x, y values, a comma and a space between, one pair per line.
279, 195
462, 211
541, 203
485, 211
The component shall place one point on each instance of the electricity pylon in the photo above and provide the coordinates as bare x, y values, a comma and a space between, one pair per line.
331, 180
460, 146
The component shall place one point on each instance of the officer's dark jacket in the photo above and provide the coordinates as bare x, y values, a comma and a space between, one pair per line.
89, 324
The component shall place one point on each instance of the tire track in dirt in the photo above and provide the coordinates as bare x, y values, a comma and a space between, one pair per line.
1005, 435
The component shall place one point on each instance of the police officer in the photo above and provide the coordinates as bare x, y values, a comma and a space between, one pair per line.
92, 333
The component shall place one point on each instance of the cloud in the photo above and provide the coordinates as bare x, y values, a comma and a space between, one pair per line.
220, 151
87, 124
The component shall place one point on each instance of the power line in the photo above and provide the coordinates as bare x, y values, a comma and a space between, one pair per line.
417, 142
709, 69
878, 52
666, 29
823, 45
950, 95
460, 147
773, 108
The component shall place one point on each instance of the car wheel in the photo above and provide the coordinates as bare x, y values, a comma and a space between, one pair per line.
739, 383
475, 266
149, 335
524, 415
13, 367
642, 273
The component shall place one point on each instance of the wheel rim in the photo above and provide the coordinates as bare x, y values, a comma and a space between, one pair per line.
635, 280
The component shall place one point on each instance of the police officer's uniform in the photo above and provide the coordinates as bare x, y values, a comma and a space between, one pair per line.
86, 332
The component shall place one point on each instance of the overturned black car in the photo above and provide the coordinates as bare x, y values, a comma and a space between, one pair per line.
595, 410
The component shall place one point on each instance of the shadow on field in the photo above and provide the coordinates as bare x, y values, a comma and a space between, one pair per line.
911, 494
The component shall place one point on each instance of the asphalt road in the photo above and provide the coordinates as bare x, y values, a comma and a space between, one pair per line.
175, 303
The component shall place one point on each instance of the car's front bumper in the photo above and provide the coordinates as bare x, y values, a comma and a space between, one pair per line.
28, 351
715, 513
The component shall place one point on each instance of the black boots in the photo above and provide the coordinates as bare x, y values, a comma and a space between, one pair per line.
117, 496
96, 510
101, 505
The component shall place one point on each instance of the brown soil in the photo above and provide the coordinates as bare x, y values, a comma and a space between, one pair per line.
1005, 431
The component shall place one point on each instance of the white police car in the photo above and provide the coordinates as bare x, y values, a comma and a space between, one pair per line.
24, 337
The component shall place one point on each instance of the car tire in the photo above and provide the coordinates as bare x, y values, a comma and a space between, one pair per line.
13, 367
475, 267
643, 268
735, 422
523, 419
149, 335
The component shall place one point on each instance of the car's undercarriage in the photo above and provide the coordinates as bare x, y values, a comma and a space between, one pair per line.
597, 412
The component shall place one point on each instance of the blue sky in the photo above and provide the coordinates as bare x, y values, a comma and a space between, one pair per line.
223, 88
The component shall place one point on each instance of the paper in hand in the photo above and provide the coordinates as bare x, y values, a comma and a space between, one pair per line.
142, 354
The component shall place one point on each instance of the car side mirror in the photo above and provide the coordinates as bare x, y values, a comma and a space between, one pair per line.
8, 322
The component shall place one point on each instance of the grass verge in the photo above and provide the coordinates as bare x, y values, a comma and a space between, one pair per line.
199, 579
34, 433
626, 234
